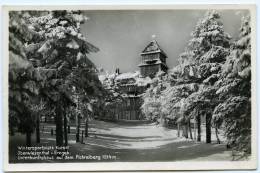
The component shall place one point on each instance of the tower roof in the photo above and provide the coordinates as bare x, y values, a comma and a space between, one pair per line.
152, 47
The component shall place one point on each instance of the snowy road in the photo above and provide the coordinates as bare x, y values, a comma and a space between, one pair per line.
147, 136
148, 142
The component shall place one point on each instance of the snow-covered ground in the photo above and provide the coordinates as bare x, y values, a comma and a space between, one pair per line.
148, 136
130, 142
153, 142
144, 136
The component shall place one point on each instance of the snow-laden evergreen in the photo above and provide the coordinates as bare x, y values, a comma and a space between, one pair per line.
234, 90
202, 61
153, 98
24, 79
54, 48
212, 81
191, 93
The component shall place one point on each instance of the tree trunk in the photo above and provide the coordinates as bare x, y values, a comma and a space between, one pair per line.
185, 131
28, 139
198, 128
82, 138
38, 140
208, 128
163, 120
190, 130
59, 126
178, 125
216, 132
194, 126
65, 130
68, 128
68, 125
77, 128
86, 127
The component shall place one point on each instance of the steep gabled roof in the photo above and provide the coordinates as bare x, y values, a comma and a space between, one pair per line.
152, 47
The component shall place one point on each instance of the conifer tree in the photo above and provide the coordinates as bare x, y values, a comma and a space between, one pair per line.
61, 52
181, 86
209, 48
234, 91
196, 74
24, 79
152, 106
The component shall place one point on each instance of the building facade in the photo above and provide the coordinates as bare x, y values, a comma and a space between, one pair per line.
131, 94
153, 60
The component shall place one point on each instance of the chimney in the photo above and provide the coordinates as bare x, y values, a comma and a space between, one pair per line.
117, 71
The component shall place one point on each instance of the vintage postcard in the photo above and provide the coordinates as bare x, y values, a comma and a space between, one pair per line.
130, 87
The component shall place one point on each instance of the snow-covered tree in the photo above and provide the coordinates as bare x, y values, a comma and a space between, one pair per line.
234, 91
206, 52
152, 102
24, 79
111, 97
153, 98
61, 55
181, 86
191, 89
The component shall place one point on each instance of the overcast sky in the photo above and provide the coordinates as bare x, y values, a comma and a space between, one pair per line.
122, 35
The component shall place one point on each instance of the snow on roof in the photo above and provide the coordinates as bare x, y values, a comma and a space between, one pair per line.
111, 76
130, 95
138, 80
102, 77
152, 47
128, 75
143, 81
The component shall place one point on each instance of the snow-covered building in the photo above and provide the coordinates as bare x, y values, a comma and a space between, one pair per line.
127, 88
126, 100
131, 87
153, 60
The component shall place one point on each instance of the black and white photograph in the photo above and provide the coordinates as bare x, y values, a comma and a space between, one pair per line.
131, 85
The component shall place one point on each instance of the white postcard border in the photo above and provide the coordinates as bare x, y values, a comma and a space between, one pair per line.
115, 166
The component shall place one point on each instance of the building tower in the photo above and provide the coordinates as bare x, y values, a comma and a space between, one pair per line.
153, 59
